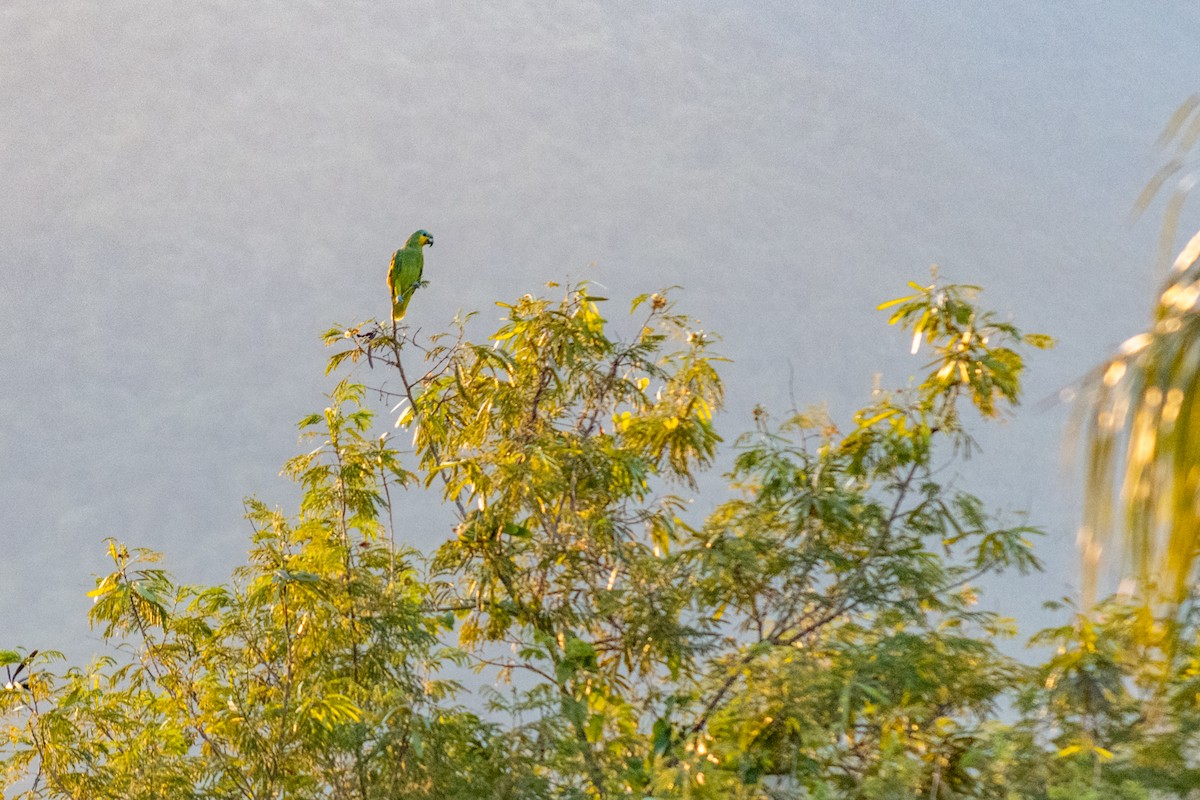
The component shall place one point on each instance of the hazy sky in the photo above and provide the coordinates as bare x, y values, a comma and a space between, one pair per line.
193, 191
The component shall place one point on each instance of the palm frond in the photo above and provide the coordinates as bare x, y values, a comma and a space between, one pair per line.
1141, 422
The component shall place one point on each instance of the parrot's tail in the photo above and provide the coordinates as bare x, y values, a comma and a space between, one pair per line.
399, 307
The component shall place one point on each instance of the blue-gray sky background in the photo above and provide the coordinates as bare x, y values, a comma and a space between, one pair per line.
192, 191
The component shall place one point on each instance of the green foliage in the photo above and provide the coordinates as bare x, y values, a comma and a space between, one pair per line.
972, 350
310, 673
816, 635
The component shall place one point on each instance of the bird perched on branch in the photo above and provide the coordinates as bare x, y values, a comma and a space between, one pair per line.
404, 276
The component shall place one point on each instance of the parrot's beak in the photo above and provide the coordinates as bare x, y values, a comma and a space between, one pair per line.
431, 241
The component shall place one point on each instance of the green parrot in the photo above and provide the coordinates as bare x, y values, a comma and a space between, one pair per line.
404, 277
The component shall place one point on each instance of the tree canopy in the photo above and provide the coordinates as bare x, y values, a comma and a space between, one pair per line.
580, 632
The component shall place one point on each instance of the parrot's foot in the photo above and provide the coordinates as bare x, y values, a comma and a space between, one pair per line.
422, 284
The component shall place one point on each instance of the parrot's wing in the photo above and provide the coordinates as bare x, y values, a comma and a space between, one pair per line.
412, 264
